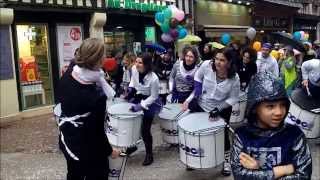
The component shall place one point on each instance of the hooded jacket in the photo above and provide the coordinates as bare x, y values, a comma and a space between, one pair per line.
283, 145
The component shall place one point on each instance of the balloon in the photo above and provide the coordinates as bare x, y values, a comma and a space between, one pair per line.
167, 13
302, 35
297, 35
166, 38
306, 36
174, 33
251, 33
182, 33
179, 15
159, 17
174, 10
165, 28
225, 38
257, 45
173, 23
179, 27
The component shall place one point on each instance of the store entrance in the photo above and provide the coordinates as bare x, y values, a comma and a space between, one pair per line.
35, 78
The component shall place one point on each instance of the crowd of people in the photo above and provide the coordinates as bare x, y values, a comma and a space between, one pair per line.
264, 148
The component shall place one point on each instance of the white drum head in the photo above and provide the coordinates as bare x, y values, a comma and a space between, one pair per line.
57, 110
123, 110
200, 123
170, 111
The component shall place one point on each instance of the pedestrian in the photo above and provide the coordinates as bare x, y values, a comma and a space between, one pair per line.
288, 70
181, 82
129, 60
311, 77
247, 67
265, 62
267, 147
207, 52
163, 67
82, 93
217, 87
317, 48
144, 93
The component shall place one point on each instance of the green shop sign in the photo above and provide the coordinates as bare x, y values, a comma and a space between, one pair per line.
131, 4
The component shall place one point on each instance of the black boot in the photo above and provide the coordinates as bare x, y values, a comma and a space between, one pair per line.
131, 150
148, 160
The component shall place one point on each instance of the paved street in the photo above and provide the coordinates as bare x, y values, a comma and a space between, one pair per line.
29, 151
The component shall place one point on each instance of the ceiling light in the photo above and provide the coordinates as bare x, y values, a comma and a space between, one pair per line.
230, 1
248, 3
239, 2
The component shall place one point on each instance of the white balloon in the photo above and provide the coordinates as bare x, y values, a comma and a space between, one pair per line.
251, 33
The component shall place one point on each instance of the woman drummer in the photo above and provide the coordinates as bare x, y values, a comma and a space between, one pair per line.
181, 82
144, 93
217, 87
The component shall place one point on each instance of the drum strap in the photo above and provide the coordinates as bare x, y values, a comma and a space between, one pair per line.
75, 124
72, 119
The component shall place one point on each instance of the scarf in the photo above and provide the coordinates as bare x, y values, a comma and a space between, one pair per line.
96, 77
188, 67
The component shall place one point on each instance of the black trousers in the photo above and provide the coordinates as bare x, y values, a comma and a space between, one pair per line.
146, 130
87, 168
225, 114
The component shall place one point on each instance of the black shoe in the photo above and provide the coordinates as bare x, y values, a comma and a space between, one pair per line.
189, 169
131, 150
148, 160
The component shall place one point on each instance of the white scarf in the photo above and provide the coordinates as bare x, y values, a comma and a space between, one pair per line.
94, 77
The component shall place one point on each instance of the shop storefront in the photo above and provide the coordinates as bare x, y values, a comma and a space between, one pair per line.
272, 17
213, 18
308, 24
43, 38
130, 25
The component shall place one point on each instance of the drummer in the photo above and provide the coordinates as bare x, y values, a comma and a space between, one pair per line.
181, 82
311, 77
144, 93
217, 87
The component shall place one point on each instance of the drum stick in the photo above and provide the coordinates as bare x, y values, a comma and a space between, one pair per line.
308, 91
317, 110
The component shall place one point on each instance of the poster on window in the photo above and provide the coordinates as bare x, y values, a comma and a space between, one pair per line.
69, 38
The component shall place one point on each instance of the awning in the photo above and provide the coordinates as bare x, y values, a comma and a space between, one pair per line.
285, 3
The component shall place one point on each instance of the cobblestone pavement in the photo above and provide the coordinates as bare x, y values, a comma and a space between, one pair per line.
29, 150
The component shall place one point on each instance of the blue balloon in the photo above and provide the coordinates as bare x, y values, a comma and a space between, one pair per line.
225, 38
297, 35
182, 33
159, 17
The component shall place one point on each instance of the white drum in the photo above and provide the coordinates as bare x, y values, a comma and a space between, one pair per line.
163, 87
57, 112
169, 122
117, 100
123, 129
201, 140
239, 109
309, 122
117, 167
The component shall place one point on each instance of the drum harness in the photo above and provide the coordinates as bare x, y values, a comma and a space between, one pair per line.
71, 120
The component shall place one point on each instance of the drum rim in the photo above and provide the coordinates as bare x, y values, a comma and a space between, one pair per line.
303, 109
210, 132
129, 112
124, 117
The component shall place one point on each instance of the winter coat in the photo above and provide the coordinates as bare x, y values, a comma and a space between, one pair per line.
245, 72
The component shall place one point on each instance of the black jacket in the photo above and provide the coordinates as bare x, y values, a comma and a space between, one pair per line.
88, 141
245, 72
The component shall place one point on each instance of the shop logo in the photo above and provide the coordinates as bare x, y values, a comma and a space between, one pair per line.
114, 173
192, 151
75, 33
169, 132
112, 130
304, 125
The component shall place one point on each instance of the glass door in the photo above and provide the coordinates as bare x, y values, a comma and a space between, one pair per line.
34, 65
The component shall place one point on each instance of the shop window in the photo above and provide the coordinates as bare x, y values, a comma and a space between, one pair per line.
34, 66
118, 41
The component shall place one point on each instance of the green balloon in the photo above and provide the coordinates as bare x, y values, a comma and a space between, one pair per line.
165, 27
167, 13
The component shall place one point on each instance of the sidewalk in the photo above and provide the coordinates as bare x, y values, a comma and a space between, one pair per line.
29, 151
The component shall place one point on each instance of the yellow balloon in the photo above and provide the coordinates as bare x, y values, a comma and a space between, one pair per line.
257, 45
275, 54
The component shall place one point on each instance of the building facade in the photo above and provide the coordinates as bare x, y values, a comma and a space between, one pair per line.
39, 37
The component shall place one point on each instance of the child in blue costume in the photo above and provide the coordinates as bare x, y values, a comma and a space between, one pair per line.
266, 147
